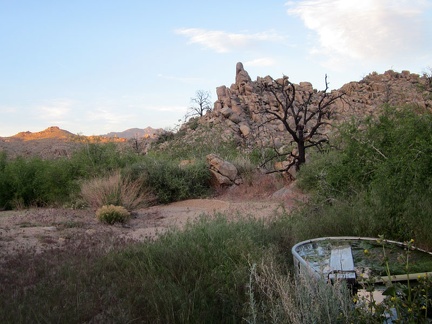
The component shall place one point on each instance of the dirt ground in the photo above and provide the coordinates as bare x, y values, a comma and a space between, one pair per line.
40, 229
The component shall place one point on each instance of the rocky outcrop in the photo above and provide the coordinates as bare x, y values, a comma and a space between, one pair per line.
237, 116
223, 172
237, 111
393, 88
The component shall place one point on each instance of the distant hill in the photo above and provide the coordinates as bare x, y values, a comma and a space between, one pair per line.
55, 132
49, 133
148, 132
55, 142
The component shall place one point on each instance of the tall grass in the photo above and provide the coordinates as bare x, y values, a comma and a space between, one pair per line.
117, 190
278, 297
194, 276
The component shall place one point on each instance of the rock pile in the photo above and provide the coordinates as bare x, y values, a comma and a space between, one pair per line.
237, 113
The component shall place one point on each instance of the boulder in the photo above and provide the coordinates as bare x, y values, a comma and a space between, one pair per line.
242, 79
224, 172
235, 118
245, 130
226, 112
219, 179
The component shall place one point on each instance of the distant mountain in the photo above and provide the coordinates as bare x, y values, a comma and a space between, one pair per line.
50, 132
148, 132
55, 142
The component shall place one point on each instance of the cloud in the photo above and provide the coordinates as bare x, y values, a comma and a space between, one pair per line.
103, 115
363, 30
8, 109
223, 42
55, 110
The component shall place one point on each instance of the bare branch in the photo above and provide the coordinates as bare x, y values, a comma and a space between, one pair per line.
201, 104
302, 118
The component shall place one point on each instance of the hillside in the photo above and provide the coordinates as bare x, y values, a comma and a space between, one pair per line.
52, 132
236, 115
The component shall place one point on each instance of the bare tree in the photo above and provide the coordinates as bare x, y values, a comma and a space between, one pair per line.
201, 103
303, 114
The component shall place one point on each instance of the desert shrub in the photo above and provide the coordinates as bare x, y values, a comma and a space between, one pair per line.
382, 168
3, 160
95, 159
169, 181
164, 137
35, 182
116, 189
111, 214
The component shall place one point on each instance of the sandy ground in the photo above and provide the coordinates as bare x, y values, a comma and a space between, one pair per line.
42, 229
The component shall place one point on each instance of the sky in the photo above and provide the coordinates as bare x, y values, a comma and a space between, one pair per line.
97, 66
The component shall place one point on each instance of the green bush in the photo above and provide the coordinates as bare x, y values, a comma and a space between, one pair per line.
95, 159
35, 182
111, 214
380, 175
170, 182
32, 181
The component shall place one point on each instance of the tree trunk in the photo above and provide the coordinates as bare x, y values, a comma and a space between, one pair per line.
300, 147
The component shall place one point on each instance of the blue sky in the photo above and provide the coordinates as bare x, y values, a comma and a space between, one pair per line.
96, 66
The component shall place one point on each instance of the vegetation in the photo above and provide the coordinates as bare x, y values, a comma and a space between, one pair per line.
168, 181
111, 214
35, 182
198, 275
100, 174
116, 189
376, 179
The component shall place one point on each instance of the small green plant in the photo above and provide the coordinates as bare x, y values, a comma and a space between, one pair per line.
403, 302
112, 214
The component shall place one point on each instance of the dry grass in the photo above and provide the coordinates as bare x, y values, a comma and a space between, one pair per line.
283, 298
115, 190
